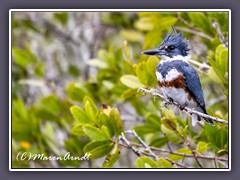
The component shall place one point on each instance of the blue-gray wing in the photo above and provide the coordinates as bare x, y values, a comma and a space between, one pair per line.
192, 82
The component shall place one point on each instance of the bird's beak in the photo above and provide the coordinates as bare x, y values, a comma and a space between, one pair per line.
156, 51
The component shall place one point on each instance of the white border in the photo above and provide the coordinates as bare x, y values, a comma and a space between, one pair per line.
108, 10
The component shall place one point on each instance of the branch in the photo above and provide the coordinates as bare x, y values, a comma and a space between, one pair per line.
186, 22
188, 145
194, 32
128, 144
147, 148
143, 144
220, 34
59, 33
200, 65
181, 154
190, 111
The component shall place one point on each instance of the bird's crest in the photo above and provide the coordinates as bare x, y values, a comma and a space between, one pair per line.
176, 39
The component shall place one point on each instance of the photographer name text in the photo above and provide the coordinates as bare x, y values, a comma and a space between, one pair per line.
28, 156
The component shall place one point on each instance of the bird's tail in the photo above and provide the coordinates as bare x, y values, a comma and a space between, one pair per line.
209, 121
195, 118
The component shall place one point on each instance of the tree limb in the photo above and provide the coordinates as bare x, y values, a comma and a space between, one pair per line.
147, 148
220, 34
190, 111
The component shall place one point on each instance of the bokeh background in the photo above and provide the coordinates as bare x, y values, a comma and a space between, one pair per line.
74, 72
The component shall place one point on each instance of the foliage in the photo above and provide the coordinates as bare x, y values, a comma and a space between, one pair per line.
80, 97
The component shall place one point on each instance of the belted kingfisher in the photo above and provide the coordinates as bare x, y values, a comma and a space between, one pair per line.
177, 79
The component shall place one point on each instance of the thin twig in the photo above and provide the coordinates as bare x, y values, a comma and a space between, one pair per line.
220, 34
215, 162
147, 148
60, 33
172, 162
203, 66
194, 32
125, 141
188, 144
186, 22
190, 111
148, 154
182, 154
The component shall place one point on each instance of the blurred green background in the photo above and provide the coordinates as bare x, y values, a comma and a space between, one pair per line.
74, 88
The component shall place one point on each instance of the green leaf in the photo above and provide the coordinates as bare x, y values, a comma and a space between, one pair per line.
94, 133
175, 157
97, 63
73, 70
142, 73
93, 145
99, 151
103, 119
76, 92
79, 115
62, 17
29, 24
126, 51
163, 163
159, 142
218, 141
145, 129
127, 67
200, 20
202, 147
145, 162
111, 158
221, 56
77, 130
129, 93
19, 110
171, 134
51, 108
49, 132
153, 120
144, 24
115, 116
168, 114
39, 70
151, 66
106, 131
131, 35
90, 108
22, 57
212, 74
52, 104
131, 81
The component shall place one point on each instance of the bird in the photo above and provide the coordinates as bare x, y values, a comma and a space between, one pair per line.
177, 79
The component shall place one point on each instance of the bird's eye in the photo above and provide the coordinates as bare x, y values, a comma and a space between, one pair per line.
171, 47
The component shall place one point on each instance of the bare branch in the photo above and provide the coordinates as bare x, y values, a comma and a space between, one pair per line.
147, 148
172, 162
186, 22
203, 66
155, 93
182, 154
188, 145
220, 34
194, 32
125, 141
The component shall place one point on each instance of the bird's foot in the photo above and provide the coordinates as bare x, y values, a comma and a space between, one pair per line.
165, 104
181, 107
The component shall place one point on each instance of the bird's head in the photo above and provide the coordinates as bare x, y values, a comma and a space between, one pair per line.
173, 45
